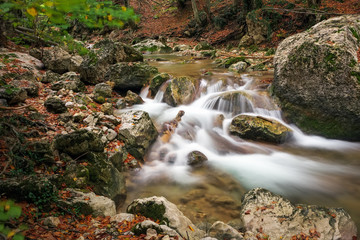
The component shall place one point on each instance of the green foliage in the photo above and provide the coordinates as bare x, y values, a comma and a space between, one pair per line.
355, 34
270, 51
9, 211
47, 196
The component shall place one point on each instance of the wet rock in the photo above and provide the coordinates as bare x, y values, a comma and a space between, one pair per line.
317, 78
180, 90
102, 90
153, 46
13, 95
137, 131
55, 105
238, 67
279, 219
203, 45
105, 54
130, 76
259, 129
161, 209
240, 102
69, 81
220, 230
132, 98
89, 203
157, 81
196, 159
78, 143
227, 62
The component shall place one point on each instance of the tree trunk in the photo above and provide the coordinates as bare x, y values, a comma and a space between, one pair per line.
196, 12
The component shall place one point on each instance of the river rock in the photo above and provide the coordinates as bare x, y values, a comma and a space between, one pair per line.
317, 78
180, 90
203, 45
127, 76
13, 95
238, 67
104, 54
69, 81
157, 81
159, 208
78, 143
259, 129
279, 219
137, 131
132, 98
89, 203
196, 159
151, 45
234, 102
55, 105
220, 230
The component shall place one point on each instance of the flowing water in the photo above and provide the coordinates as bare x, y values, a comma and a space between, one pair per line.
306, 169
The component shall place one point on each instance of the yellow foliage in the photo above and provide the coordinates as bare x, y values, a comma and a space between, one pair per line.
32, 11
10, 234
110, 18
123, 8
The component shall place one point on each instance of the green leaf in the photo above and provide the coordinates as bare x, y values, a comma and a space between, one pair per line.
18, 237
2, 226
3, 217
14, 212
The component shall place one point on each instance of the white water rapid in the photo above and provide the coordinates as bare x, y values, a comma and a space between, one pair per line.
305, 167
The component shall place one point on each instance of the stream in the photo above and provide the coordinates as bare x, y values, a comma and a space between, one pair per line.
306, 169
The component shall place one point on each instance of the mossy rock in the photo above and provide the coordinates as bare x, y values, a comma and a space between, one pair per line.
259, 129
203, 45
181, 90
229, 61
157, 81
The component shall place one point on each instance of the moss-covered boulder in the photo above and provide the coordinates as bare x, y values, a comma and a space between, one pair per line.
317, 78
130, 76
102, 91
69, 81
137, 131
259, 129
180, 90
78, 143
159, 208
55, 105
104, 54
157, 81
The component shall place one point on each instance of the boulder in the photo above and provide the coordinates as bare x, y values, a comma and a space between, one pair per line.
257, 33
89, 203
50, 77
157, 81
132, 98
137, 131
280, 219
234, 102
57, 60
203, 45
107, 108
153, 46
317, 78
180, 90
196, 159
13, 95
55, 105
99, 173
159, 208
104, 54
69, 81
102, 90
259, 129
78, 143
130, 76
220, 230
238, 67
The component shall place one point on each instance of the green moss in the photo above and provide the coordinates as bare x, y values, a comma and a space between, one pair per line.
352, 63
355, 33
357, 75
152, 210
330, 61
100, 99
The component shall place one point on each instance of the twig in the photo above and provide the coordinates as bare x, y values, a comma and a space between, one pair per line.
14, 108
81, 156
